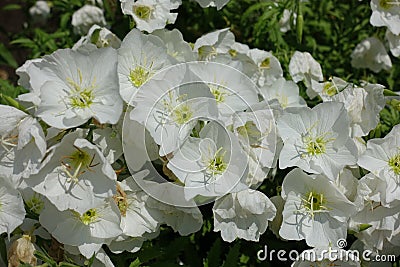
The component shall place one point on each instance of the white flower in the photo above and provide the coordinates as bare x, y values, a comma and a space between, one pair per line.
23, 144
232, 90
184, 220
40, 11
243, 215
371, 54
171, 110
328, 89
177, 47
30, 79
394, 43
214, 3
303, 67
150, 15
386, 13
214, 43
75, 175
316, 140
139, 58
136, 219
315, 210
363, 107
268, 67
81, 87
108, 140
87, 230
212, 165
100, 37
12, 211
139, 146
382, 158
85, 17
284, 22
286, 92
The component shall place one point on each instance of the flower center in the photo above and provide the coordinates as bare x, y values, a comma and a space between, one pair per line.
182, 114
139, 75
143, 12
314, 202
35, 204
329, 89
219, 92
89, 216
216, 165
316, 147
121, 200
266, 63
386, 4
394, 163
80, 96
76, 164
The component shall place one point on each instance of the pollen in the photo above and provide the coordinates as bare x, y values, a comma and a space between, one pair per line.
217, 165
387, 4
139, 75
266, 63
394, 163
316, 147
329, 89
90, 216
182, 114
219, 92
80, 96
313, 202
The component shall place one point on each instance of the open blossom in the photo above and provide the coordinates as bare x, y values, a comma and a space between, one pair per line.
87, 230
382, 158
316, 140
386, 13
100, 37
82, 86
139, 58
150, 15
12, 212
214, 43
371, 54
315, 209
75, 175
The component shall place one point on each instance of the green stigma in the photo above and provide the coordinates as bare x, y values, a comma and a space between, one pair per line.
314, 202
139, 75
266, 63
394, 163
80, 97
218, 92
35, 204
217, 165
232, 52
329, 89
90, 216
143, 12
182, 114
80, 158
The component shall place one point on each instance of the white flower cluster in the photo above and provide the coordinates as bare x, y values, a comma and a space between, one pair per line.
191, 132
371, 53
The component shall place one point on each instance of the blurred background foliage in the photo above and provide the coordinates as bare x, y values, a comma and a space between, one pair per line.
329, 30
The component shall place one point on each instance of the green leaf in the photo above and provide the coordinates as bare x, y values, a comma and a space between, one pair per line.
387, 92
6, 55
233, 256
135, 263
214, 255
11, 7
3, 250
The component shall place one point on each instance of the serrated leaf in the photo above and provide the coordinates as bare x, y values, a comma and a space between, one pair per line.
214, 254
233, 256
